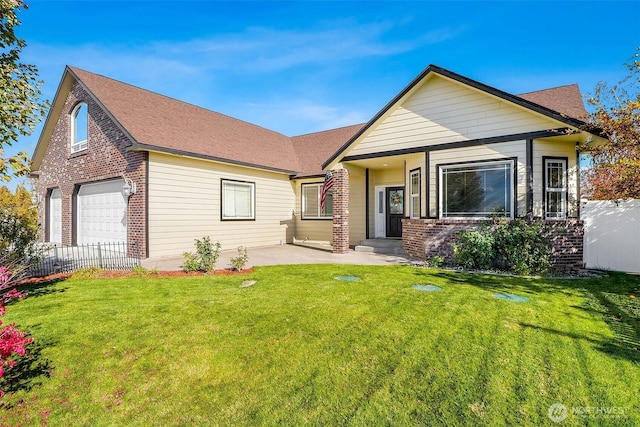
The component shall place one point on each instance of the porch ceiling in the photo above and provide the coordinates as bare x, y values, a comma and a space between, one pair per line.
392, 162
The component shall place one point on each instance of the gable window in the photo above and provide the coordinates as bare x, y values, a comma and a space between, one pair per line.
238, 200
414, 191
311, 202
477, 190
555, 188
79, 128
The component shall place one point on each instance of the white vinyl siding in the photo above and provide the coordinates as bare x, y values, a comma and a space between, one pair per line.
185, 204
443, 111
238, 200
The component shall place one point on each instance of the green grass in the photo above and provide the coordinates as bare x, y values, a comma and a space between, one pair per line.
301, 348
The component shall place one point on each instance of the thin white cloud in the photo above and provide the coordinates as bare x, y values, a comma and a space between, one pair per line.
300, 116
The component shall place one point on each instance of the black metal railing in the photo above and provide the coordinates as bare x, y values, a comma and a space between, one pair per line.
58, 258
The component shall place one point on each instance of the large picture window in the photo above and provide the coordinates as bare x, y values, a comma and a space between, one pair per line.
311, 202
555, 188
476, 190
79, 128
238, 200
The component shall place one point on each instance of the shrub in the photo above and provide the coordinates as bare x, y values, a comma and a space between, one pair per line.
436, 261
522, 247
473, 249
515, 245
88, 273
239, 262
12, 340
205, 257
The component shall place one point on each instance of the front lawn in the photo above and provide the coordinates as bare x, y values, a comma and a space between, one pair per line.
300, 347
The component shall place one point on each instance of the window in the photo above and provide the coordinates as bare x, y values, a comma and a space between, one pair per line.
476, 190
555, 188
238, 200
79, 128
311, 202
414, 191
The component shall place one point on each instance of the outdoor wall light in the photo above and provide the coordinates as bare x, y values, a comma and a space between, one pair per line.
129, 188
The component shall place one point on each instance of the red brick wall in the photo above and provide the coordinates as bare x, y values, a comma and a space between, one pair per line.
105, 158
424, 238
340, 211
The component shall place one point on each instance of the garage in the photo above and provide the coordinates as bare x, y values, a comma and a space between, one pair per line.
55, 216
101, 213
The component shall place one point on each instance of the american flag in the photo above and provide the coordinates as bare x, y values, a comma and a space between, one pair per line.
328, 185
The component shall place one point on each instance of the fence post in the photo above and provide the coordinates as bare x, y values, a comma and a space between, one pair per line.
99, 256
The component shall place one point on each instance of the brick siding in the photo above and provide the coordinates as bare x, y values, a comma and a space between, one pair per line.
425, 238
105, 158
340, 211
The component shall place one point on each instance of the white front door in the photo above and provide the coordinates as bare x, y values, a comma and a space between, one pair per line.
55, 216
102, 213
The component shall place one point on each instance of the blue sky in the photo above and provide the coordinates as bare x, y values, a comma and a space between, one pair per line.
300, 67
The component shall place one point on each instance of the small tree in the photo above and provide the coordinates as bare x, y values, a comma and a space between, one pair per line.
20, 109
615, 171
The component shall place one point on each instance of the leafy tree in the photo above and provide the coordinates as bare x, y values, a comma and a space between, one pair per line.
19, 92
615, 172
20, 110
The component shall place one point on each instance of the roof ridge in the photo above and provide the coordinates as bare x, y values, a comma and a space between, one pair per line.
328, 130
549, 88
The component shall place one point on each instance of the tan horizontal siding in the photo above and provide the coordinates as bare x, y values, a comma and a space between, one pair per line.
442, 111
184, 204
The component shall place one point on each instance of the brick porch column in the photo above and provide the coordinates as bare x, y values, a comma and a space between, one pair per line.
340, 211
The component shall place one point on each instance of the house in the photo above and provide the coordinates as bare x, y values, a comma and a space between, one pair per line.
116, 162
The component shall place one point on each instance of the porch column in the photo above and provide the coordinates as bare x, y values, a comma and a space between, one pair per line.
340, 211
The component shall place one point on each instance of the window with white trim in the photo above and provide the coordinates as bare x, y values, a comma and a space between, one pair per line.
79, 128
414, 192
238, 200
555, 188
477, 190
311, 208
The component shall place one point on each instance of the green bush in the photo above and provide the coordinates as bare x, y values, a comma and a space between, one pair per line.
522, 247
515, 245
205, 257
473, 249
239, 262
436, 261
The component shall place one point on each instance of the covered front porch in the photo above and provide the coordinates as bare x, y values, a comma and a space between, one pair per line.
371, 197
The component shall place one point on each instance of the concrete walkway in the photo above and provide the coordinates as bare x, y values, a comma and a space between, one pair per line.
285, 254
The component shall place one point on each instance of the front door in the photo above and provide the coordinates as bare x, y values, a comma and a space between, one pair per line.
395, 211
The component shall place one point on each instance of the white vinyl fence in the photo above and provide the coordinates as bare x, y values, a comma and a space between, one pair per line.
612, 235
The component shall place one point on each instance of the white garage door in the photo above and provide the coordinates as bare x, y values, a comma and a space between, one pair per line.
102, 213
55, 216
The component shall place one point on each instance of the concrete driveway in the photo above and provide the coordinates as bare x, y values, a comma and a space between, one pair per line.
286, 254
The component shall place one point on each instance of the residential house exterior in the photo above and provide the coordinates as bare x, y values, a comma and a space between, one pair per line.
116, 162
